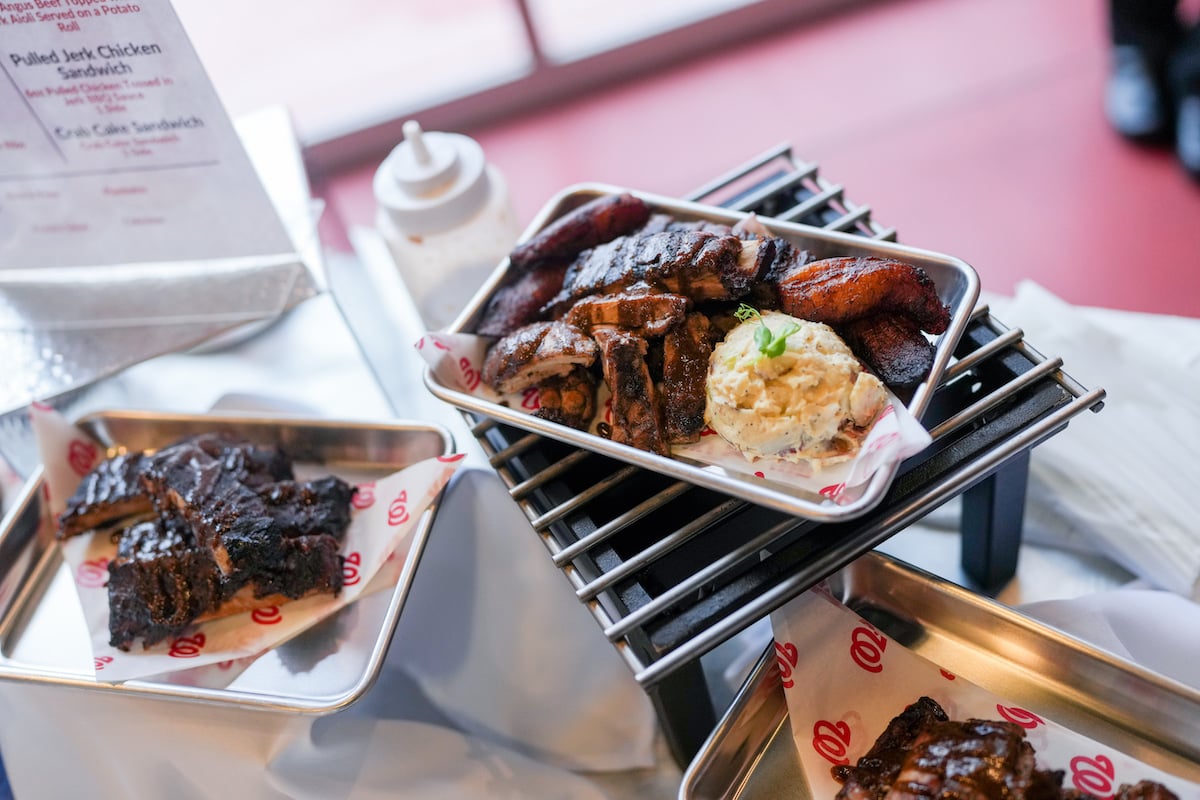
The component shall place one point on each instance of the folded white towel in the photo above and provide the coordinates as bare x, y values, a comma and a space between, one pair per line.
1126, 481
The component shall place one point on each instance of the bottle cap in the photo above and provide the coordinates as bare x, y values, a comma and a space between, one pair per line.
431, 182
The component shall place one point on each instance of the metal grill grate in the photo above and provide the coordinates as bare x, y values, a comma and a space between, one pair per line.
670, 571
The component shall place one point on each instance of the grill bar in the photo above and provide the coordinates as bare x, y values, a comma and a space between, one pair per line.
670, 571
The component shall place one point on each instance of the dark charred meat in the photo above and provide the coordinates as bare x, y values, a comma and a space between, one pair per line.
224, 528
638, 310
637, 413
972, 758
159, 583
924, 754
252, 465
659, 223
520, 303
764, 294
701, 266
893, 346
245, 530
1144, 790
840, 290
686, 350
595, 222
311, 507
876, 771
110, 494
568, 400
530, 354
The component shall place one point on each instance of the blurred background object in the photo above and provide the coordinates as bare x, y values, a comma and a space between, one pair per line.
975, 129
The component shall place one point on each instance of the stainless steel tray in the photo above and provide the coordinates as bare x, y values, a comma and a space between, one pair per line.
43, 637
751, 754
958, 287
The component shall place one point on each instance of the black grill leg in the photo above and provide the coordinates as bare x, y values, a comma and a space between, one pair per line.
993, 511
685, 710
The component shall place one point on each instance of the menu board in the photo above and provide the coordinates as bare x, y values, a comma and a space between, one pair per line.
114, 147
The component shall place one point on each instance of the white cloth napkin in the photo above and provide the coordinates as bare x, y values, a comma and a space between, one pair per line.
1123, 482
493, 636
1155, 629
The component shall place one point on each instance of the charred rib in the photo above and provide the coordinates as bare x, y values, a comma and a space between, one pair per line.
535, 352
699, 265
637, 413
640, 311
686, 350
568, 400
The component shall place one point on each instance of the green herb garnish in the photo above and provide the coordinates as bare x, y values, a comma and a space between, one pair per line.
769, 344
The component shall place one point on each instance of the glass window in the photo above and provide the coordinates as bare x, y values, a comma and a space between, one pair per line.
338, 66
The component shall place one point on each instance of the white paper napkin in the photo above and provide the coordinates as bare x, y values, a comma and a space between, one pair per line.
1156, 629
1123, 482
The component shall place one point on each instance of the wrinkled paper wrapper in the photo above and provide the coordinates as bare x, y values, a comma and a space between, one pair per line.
844, 681
457, 361
384, 515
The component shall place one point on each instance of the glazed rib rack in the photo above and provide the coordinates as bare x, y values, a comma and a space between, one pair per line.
670, 571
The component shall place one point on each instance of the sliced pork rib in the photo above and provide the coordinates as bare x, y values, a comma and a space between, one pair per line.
109, 494
159, 582
596, 221
535, 352
699, 265
568, 399
112, 493
686, 350
246, 531
637, 413
872, 777
924, 755
639, 310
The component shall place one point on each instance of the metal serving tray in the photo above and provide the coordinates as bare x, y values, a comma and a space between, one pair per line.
43, 637
751, 755
958, 287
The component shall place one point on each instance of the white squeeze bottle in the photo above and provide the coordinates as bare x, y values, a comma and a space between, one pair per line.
447, 217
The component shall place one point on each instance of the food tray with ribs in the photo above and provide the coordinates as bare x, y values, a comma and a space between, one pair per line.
44, 636
628, 291
752, 754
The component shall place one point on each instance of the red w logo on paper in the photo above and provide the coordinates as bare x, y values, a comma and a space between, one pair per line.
187, 646
93, 573
786, 657
531, 399
831, 741
364, 495
350, 574
1019, 716
100, 661
833, 491
270, 615
1093, 775
398, 510
866, 648
82, 456
470, 375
